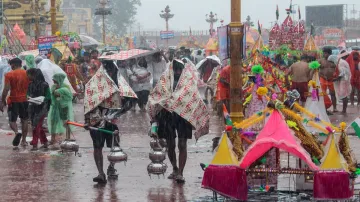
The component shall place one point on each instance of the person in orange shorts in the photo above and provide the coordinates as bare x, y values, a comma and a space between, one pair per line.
223, 93
326, 73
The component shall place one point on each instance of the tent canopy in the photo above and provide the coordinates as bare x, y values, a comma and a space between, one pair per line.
310, 45
275, 134
30, 52
224, 154
212, 45
333, 159
259, 45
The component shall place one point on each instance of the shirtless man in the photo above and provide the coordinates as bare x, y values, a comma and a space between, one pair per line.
301, 75
326, 73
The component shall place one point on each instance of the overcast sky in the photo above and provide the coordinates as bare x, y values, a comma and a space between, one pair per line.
191, 13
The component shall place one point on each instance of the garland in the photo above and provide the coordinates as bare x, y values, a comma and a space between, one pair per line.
313, 116
344, 147
297, 117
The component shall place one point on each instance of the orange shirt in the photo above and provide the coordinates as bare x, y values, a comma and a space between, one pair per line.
224, 90
19, 82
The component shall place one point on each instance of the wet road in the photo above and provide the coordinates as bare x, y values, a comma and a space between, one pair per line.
53, 176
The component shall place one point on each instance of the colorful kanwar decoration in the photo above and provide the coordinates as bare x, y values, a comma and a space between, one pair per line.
289, 33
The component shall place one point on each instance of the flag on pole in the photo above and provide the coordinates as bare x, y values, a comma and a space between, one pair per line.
259, 27
228, 121
277, 12
299, 13
289, 10
356, 126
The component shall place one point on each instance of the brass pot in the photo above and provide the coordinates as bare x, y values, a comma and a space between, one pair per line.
156, 168
163, 143
157, 156
69, 145
117, 155
155, 145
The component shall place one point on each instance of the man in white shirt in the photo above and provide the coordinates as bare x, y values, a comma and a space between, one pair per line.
158, 65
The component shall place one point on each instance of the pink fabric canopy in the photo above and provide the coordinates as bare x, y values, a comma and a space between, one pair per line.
277, 134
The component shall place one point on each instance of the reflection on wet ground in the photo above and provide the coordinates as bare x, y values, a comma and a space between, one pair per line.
52, 176
46, 175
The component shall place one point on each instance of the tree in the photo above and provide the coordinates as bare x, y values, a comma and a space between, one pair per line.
248, 22
123, 12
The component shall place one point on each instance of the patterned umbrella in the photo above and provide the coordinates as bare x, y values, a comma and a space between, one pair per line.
130, 54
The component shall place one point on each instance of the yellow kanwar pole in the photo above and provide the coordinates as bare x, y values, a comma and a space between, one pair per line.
53, 17
236, 105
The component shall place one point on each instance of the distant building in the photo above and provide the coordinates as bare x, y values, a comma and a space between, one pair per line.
23, 13
79, 20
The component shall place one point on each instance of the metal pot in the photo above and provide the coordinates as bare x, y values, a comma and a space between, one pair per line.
69, 145
156, 168
155, 145
116, 155
157, 156
163, 143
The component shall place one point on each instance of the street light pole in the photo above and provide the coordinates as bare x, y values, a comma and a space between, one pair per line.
167, 16
236, 105
103, 11
53, 17
212, 19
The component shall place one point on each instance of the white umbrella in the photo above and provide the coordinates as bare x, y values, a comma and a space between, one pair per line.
49, 69
209, 58
88, 41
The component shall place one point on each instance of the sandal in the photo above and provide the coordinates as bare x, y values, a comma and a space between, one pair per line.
44, 146
35, 148
24, 144
180, 179
173, 175
17, 139
101, 179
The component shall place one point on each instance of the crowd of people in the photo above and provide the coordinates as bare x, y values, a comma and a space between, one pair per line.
159, 87
29, 97
339, 77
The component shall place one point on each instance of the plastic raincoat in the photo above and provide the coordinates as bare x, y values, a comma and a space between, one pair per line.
30, 61
61, 108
